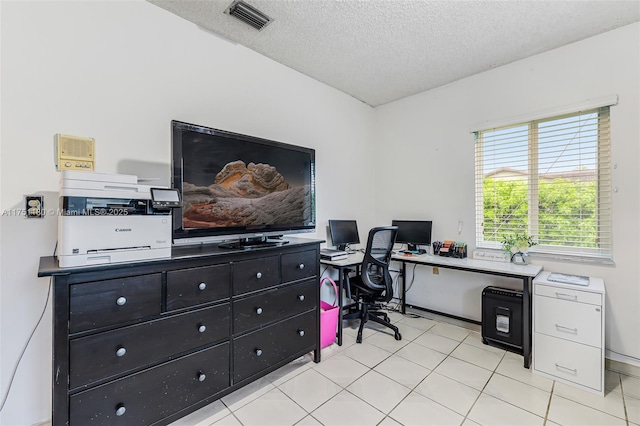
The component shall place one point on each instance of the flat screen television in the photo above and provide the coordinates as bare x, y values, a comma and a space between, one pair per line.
413, 233
240, 189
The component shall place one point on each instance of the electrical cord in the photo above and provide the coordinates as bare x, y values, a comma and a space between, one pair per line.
24, 348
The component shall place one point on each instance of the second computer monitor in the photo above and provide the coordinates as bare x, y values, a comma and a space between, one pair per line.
343, 233
413, 233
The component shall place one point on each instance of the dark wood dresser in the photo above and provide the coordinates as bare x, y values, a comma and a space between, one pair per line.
149, 342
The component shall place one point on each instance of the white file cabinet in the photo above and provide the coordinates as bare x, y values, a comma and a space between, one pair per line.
568, 332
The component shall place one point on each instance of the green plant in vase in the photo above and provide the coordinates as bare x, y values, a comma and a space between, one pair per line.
518, 246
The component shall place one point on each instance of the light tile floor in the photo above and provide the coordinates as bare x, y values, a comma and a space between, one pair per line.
438, 374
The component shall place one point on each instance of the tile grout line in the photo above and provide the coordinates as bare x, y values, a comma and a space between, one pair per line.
546, 414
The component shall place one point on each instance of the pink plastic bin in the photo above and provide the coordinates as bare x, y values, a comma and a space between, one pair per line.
328, 317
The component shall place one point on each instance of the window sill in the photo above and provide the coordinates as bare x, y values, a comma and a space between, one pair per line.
561, 257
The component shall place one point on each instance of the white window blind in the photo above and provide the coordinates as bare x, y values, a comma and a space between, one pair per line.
549, 178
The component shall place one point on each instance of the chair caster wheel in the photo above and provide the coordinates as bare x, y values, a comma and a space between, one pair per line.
485, 341
398, 336
359, 339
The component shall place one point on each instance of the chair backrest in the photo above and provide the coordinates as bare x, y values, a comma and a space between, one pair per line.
375, 266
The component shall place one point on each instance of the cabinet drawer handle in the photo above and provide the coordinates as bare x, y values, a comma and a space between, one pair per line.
301, 266
566, 329
301, 297
121, 301
259, 275
301, 333
202, 328
566, 296
202, 286
258, 311
121, 351
201, 376
258, 352
120, 410
572, 370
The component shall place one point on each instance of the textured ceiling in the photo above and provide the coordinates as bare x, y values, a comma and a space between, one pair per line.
379, 51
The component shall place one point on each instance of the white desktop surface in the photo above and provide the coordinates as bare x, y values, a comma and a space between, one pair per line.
471, 264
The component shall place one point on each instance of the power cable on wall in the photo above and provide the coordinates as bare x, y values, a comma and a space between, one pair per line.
26, 345
24, 349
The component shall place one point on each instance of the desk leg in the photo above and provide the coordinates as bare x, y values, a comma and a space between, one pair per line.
403, 293
340, 290
526, 321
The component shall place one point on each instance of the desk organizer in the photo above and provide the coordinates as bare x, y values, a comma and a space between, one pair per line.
450, 249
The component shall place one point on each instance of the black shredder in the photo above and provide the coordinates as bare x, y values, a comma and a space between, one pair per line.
502, 318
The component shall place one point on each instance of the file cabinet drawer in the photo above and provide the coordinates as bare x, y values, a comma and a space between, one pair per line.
580, 364
271, 305
113, 353
102, 303
189, 287
569, 295
258, 350
299, 265
577, 322
156, 393
255, 274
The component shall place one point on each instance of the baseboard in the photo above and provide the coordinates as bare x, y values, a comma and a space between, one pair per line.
630, 367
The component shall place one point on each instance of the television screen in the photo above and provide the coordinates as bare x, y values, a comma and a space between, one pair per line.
239, 186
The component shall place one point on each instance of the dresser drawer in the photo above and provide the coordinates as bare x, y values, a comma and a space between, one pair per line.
189, 287
263, 348
580, 364
153, 394
577, 322
271, 305
569, 294
299, 265
102, 303
255, 274
112, 353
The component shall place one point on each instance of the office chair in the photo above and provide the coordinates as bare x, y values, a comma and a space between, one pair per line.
373, 286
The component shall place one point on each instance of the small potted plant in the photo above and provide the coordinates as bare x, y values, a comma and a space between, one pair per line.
518, 245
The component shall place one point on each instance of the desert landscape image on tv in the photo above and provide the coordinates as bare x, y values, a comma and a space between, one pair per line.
244, 184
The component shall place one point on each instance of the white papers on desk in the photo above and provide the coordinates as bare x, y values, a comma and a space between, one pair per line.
330, 254
568, 279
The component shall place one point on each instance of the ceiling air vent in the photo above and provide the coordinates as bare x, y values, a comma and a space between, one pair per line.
249, 15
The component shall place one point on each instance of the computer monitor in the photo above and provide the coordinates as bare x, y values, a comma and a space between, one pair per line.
343, 233
413, 233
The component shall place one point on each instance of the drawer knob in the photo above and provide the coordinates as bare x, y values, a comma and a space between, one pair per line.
259, 275
300, 333
202, 328
201, 376
258, 352
121, 351
301, 297
120, 410
121, 301
258, 311
301, 266
202, 286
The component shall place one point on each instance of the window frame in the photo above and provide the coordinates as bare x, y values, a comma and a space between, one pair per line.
603, 181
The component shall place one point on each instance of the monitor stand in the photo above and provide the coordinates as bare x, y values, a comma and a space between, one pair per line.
251, 243
342, 247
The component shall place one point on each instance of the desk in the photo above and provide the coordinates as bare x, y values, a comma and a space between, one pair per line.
343, 266
526, 273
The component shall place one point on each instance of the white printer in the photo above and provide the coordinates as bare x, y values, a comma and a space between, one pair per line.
108, 218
